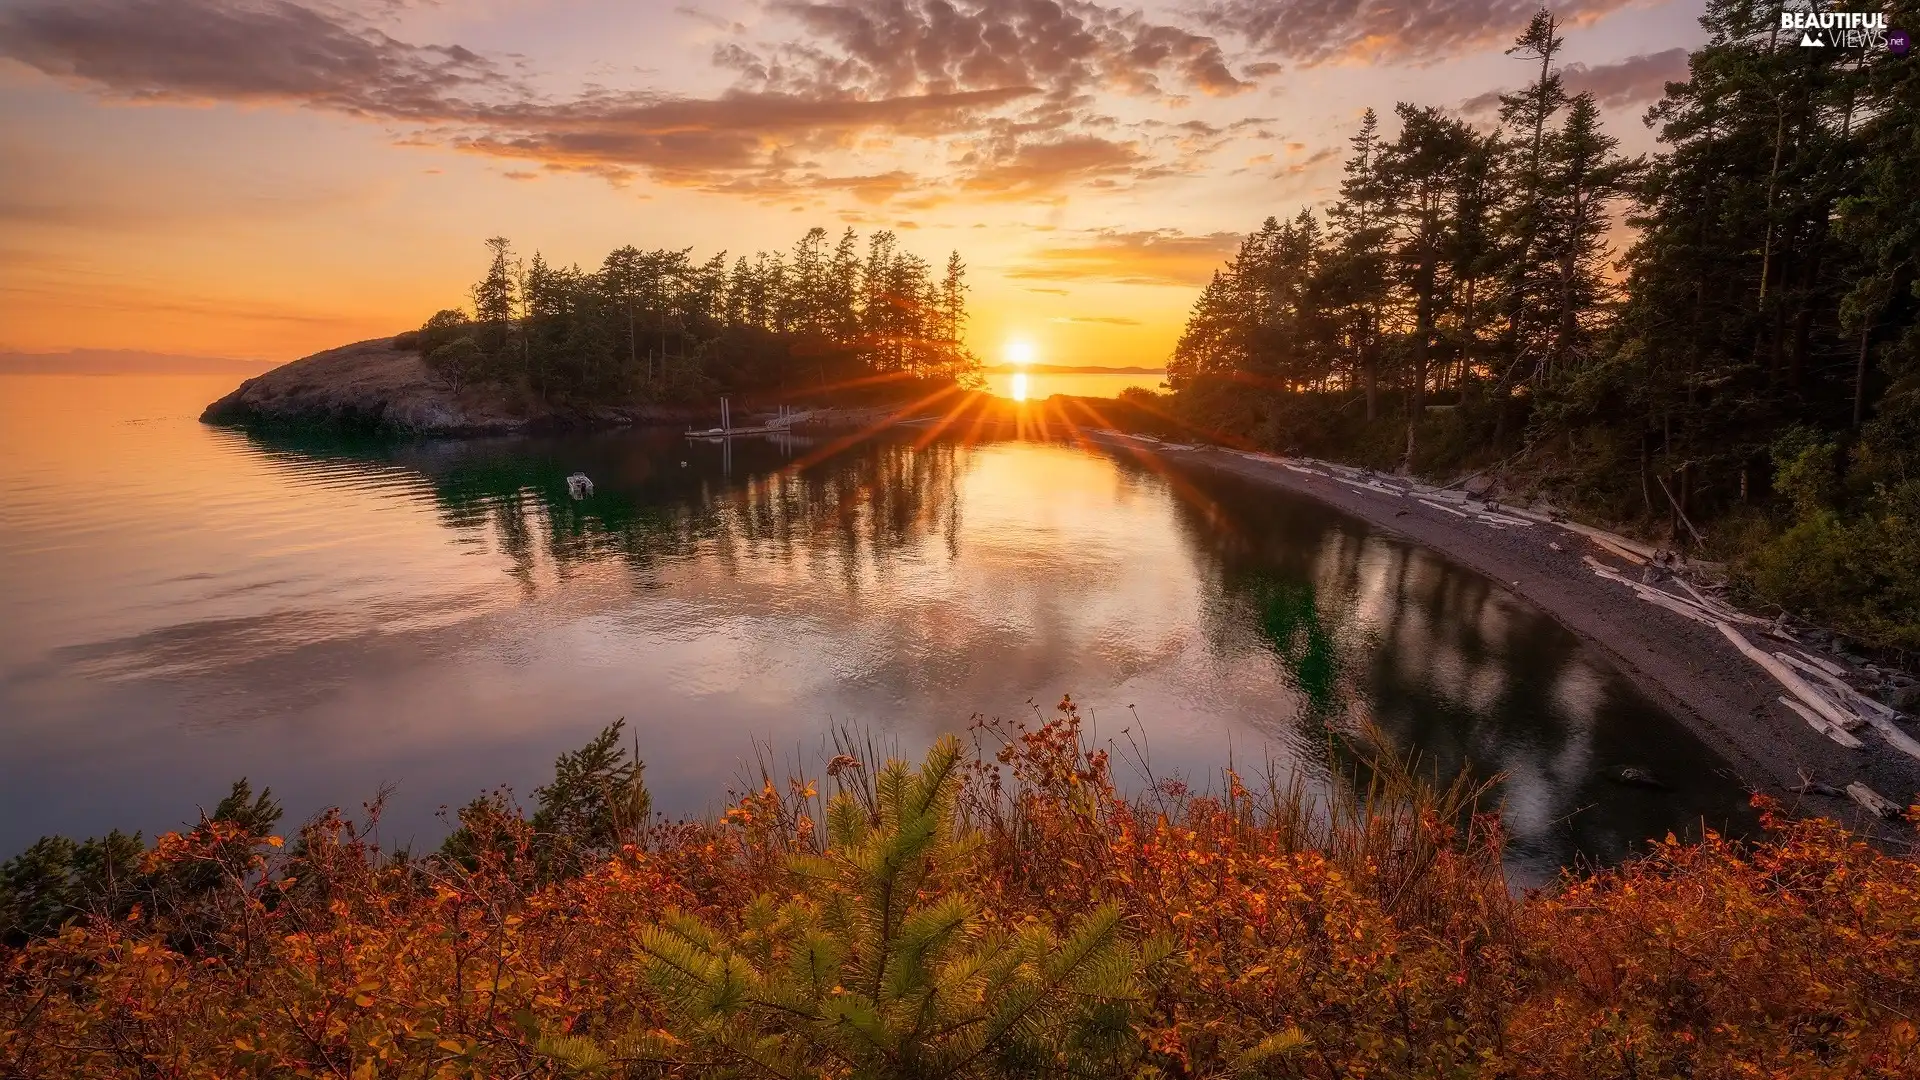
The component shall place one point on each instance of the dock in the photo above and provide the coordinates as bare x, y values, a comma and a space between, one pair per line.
780, 425
732, 433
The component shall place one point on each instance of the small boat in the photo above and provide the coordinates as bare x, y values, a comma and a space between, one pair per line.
579, 486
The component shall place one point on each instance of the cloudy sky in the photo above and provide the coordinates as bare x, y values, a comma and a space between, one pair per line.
266, 178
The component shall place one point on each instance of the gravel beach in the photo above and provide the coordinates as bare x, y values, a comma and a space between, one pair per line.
1690, 669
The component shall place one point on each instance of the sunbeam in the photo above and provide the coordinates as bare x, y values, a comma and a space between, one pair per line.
842, 443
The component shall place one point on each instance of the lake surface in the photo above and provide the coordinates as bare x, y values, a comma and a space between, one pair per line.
182, 605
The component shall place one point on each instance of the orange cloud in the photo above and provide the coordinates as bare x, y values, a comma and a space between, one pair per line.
1038, 169
1143, 257
1325, 153
744, 143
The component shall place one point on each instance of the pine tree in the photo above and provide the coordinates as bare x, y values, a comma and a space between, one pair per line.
879, 966
598, 800
1474, 252
808, 292
844, 288
1354, 279
496, 296
658, 326
953, 302
1420, 171
1530, 114
880, 307
1585, 176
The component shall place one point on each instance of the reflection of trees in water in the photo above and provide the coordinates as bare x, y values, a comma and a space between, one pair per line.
1357, 626
1290, 620
649, 509
1443, 661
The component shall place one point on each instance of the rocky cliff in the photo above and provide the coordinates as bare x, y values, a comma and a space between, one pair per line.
374, 385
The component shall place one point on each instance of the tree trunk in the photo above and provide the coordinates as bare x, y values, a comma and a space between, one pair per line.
1370, 372
1646, 475
1803, 319
1860, 377
1423, 339
1686, 493
1773, 178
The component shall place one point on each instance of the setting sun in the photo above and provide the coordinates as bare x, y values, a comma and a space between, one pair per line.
1020, 351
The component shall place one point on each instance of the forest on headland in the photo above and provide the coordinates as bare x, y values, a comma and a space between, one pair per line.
1741, 380
658, 327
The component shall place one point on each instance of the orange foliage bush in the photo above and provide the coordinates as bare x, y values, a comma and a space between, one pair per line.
1366, 936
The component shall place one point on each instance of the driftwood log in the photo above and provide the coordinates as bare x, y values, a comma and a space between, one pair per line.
1442, 507
1785, 675
1814, 721
1615, 549
1873, 802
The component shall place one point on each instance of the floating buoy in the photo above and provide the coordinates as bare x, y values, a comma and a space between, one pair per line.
579, 486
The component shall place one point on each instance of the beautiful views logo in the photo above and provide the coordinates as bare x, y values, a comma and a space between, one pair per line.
1845, 30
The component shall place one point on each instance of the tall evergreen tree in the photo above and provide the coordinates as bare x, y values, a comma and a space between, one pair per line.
1420, 171
1529, 113
1355, 271
1584, 178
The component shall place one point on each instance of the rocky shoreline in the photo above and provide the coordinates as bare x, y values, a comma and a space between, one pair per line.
1691, 669
374, 385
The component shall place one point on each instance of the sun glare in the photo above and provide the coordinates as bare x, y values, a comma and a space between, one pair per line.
1020, 352
1019, 387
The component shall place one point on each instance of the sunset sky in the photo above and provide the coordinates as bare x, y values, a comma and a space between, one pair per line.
267, 178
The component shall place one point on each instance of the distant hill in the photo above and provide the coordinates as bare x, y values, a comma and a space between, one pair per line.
125, 362
1071, 369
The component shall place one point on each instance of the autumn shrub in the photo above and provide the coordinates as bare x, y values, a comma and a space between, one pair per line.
1005, 911
1796, 957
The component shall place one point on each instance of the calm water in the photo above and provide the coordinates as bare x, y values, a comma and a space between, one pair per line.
180, 606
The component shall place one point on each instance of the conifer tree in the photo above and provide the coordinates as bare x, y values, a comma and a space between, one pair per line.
497, 294
1584, 178
1420, 171
1203, 346
1355, 272
879, 966
1530, 114
844, 283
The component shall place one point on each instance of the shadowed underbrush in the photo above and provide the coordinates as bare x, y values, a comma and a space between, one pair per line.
1000, 909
